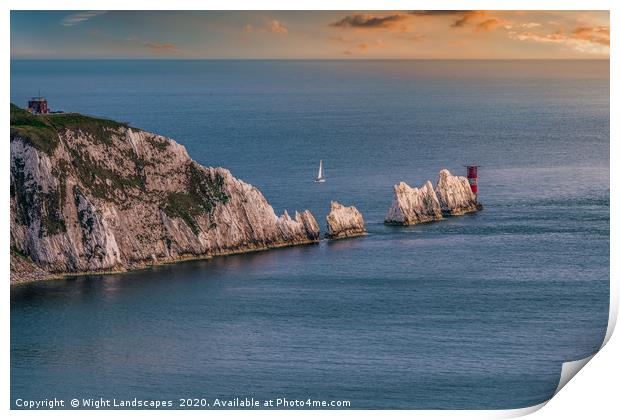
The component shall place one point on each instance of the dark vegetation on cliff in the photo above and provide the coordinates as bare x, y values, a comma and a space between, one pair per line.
201, 197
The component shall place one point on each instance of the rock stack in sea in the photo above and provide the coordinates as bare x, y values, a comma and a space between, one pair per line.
454, 194
452, 197
413, 205
344, 222
94, 195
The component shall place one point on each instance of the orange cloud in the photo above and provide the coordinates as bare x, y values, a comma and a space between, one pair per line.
368, 21
274, 26
594, 34
459, 18
527, 25
463, 17
488, 25
278, 27
591, 39
467, 17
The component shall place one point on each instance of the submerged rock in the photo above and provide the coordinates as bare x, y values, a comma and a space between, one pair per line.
413, 205
344, 222
454, 194
93, 195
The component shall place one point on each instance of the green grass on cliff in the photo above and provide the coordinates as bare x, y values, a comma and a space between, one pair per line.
33, 129
41, 131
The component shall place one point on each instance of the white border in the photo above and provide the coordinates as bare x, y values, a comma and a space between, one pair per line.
598, 381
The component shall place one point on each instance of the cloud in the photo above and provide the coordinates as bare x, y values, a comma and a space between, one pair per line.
437, 12
527, 25
467, 17
274, 26
462, 17
590, 39
368, 21
77, 18
479, 20
278, 27
488, 25
594, 34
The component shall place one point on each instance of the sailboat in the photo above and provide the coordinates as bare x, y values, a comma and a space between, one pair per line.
320, 177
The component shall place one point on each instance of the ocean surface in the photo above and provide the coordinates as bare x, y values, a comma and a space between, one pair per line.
473, 312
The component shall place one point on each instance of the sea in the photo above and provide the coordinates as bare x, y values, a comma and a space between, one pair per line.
472, 312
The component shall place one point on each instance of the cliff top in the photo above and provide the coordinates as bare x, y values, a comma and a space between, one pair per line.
41, 131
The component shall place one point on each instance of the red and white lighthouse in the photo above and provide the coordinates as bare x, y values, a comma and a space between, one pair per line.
472, 177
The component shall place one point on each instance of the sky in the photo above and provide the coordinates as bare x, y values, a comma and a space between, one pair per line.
439, 34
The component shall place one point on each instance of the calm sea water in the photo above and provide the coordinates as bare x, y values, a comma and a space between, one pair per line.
471, 312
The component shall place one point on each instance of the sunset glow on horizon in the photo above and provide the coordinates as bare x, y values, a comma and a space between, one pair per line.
438, 34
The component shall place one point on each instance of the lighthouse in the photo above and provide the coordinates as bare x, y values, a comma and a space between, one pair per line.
472, 177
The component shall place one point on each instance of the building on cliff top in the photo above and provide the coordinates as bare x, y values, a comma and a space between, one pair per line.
38, 105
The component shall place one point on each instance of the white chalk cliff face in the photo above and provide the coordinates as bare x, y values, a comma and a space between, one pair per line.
454, 194
344, 222
91, 195
413, 205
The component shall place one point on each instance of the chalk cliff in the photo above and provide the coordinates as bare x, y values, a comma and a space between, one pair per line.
452, 197
344, 222
413, 205
454, 194
94, 195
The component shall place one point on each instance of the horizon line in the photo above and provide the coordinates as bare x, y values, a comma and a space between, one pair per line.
304, 59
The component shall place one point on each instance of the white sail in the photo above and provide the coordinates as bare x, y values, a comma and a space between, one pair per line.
320, 177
